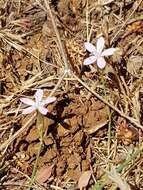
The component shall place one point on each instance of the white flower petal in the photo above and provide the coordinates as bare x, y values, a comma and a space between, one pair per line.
90, 60
100, 44
108, 52
43, 110
49, 100
27, 101
28, 110
90, 47
101, 62
38, 95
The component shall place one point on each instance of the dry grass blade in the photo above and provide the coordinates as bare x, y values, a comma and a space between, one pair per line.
132, 120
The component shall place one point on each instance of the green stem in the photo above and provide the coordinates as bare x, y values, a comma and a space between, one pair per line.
103, 82
39, 125
109, 131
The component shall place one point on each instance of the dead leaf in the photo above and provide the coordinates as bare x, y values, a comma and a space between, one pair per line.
98, 126
134, 65
133, 28
116, 178
125, 132
88, 154
44, 173
84, 179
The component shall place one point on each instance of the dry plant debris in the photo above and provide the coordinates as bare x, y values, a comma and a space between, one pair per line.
93, 133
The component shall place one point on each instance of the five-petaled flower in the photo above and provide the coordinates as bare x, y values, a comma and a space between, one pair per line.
97, 53
38, 104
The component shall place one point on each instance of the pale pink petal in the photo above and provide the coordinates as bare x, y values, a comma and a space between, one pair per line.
100, 44
88, 46
90, 60
28, 110
38, 95
43, 110
49, 100
27, 101
101, 62
108, 52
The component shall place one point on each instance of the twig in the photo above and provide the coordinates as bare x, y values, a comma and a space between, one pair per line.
132, 120
62, 50
15, 184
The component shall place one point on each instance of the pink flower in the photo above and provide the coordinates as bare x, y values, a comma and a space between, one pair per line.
97, 53
38, 104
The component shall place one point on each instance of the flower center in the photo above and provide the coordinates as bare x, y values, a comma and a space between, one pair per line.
97, 54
